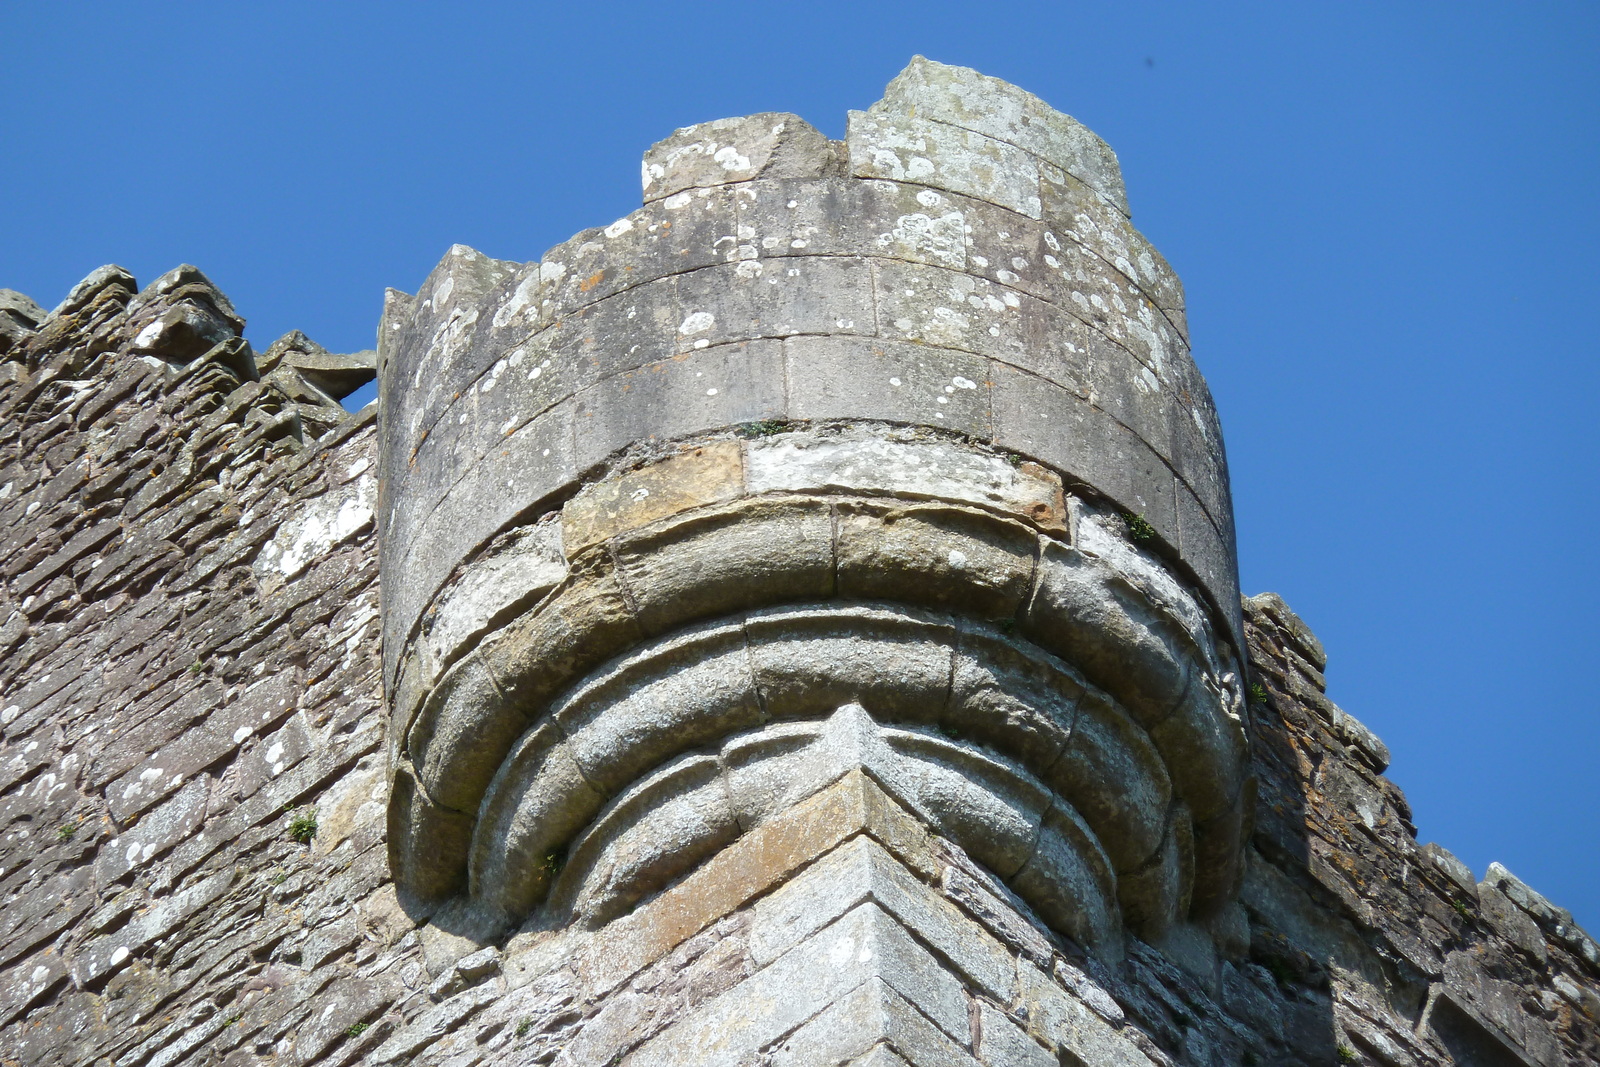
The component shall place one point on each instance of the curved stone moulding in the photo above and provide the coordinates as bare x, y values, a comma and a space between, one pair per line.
883, 455
1073, 692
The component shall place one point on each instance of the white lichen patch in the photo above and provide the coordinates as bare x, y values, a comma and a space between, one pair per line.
321, 523
696, 322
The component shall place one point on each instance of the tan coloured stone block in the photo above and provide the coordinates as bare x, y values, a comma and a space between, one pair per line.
706, 474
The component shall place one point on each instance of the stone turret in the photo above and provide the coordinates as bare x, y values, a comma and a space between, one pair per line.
882, 461
809, 636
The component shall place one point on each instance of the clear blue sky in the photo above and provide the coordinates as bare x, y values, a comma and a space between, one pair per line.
1385, 215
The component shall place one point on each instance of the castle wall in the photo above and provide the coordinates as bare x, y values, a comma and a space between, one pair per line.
195, 754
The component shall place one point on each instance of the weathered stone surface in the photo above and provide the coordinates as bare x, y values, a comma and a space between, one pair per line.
700, 744
735, 150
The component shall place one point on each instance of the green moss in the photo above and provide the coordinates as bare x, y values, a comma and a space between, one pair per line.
762, 428
303, 826
554, 860
1139, 529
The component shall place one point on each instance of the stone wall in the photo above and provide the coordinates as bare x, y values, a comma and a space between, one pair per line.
195, 753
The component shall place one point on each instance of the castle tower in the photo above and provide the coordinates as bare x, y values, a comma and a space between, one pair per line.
847, 506
809, 635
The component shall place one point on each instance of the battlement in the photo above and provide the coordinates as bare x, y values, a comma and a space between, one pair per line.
808, 634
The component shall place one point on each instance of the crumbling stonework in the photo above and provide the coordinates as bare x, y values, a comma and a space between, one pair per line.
809, 635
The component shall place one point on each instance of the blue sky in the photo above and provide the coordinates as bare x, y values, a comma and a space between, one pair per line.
1385, 215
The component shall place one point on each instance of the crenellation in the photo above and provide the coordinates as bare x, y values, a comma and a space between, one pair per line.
796, 623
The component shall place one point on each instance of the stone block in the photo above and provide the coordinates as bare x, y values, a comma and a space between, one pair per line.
862, 870
1002, 1043
158, 830
1113, 775
704, 390
657, 830
808, 662
932, 306
1103, 627
665, 237
905, 466
766, 145
711, 563
697, 688
865, 944
987, 805
1075, 212
1069, 881
901, 147
427, 844
1068, 1028
1205, 751
774, 768
706, 474
1210, 554
516, 571
964, 98
525, 468
1446, 863
935, 556
861, 378
874, 1018
751, 865
540, 801
802, 295
461, 733
587, 621
846, 217
1063, 431
1021, 704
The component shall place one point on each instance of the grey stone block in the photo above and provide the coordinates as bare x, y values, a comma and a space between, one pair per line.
848, 377
864, 945
665, 237
1003, 1044
967, 99
711, 389
1061, 430
713, 563
897, 146
808, 662
753, 298
907, 466
875, 1018
768, 145
950, 558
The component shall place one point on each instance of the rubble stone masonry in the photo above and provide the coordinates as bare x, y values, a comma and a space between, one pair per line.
808, 633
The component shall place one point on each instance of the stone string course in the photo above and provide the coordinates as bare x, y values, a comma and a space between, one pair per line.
193, 786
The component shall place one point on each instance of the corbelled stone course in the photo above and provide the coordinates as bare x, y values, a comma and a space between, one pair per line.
745, 703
